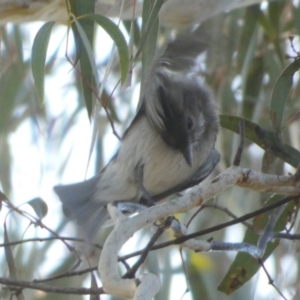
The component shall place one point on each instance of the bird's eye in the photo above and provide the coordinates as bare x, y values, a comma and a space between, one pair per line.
189, 123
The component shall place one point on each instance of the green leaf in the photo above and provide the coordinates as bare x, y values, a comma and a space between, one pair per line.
248, 38
263, 138
268, 163
279, 96
132, 27
249, 62
115, 33
38, 57
149, 28
89, 82
8, 95
253, 86
3, 197
88, 48
39, 206
88, 68
245, 266
265, 23
5, 166
9, 256
275, 11
148, 40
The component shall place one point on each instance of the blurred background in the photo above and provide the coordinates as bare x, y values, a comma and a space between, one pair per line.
57, 138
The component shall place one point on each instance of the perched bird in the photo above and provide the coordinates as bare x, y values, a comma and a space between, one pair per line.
168, 147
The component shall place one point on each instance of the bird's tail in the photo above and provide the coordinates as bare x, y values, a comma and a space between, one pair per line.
180, 54
78, 204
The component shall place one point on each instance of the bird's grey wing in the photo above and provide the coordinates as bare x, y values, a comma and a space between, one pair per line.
203, 171
78, 204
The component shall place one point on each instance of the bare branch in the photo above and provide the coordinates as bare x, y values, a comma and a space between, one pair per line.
239, 247
125, 227
233, 222
286, 236
228, 212
268, 232
266, 182
50, 239
160, 230
67, 274
239, 152
271, 281
50, 289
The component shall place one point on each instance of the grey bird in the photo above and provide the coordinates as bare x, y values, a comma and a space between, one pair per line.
168, 147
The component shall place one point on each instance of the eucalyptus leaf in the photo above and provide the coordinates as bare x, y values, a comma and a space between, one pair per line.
115, 33
245, 266
9, 256
279, 97
263, 138
84, 41
38, 57
148, 39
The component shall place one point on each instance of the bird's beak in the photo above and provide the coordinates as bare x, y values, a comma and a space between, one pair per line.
188, 154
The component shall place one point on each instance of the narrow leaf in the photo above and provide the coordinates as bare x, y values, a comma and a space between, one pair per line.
88, 69
279, 96
263, 138
245, 266
3, 197
38, 57
148, 40
116, 35
89, 82
88, 48
9, 256
11, 262
8, 95
149, 26
245, 51
133, 27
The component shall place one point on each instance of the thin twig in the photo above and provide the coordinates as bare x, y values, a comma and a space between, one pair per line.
67, 274
95, 93
271, 281
229, 213
268, 231
139, 178
218, 227
187, 280
286, 236
39, 223
231, 223
239, 152
50, 239
154, 247
49, 289
195, 214
112, 125
160, 230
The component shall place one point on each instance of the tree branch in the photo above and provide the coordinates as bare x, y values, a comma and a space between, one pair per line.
125, 227
49, 289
